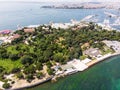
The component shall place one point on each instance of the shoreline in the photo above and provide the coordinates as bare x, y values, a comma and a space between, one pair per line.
90, 64
54, 78
32, 85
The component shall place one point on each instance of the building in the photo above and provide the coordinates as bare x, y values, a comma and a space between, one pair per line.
5, 32
115, 45
79, 65
73, 66
29, 30
93, 52
62, 25
85, 61
15, 36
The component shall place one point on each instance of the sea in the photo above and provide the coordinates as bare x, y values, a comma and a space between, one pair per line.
20, 14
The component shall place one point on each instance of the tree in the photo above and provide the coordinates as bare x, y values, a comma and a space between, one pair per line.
15, 70
50, 71
26, 60
39, 75
30, 70
18, 40
14, 57
29, 77
20, 75
1, 69
39, 66
6, 85
58, 57
49, 65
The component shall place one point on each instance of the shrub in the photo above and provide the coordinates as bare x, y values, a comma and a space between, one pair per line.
1, 69
39, 75
50, 71
39, 66
15, 70
14, 57
29, 77
26, 60
20, 75
30, 70
6, 85
12, 82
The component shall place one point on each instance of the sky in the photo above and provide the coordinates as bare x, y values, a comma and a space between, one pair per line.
66, 0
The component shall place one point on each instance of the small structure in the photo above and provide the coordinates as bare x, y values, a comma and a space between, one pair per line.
61, 25
73, 66
9, 39
85, 61
29, 30
92, 52
79, 26
79, 66
67, 66
15, 36
5, 32
115, 45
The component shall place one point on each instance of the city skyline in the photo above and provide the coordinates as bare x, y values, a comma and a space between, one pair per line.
61, 0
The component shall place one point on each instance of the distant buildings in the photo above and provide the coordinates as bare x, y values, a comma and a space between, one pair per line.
15, 36
61, 25
29, 30
5, 32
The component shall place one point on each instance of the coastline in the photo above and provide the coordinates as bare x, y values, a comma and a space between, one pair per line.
90, 64
53, 78
32, 85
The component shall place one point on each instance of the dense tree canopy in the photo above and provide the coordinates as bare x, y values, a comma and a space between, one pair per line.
58, 45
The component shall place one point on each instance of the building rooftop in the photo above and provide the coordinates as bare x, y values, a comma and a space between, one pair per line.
5, 31
85, 61
29, 30
93, 52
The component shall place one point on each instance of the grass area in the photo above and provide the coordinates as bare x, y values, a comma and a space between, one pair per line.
107, 50
9, 65
83, 57
12, 50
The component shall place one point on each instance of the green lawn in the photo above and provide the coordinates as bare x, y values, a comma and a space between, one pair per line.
9, 65
12, 50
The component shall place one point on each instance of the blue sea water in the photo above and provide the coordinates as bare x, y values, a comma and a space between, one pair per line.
24, 14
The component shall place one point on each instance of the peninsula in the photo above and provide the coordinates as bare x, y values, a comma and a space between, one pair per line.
38, 53
85, 5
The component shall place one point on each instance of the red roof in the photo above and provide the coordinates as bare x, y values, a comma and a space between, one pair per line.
5, 31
